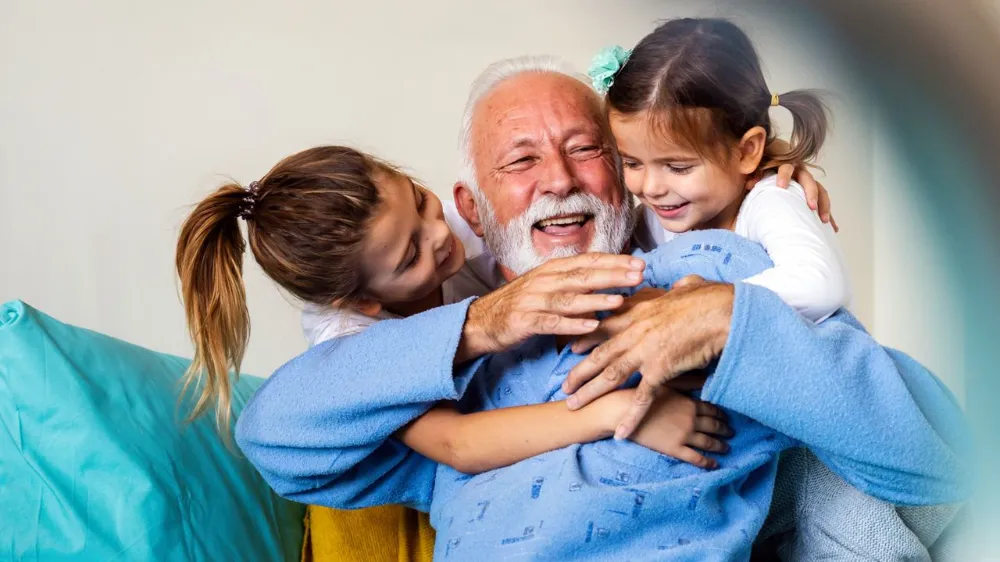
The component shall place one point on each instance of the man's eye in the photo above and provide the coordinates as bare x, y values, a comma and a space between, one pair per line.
522, 161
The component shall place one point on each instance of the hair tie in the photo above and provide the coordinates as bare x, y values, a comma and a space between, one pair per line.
775, 101
605, 65
249, 200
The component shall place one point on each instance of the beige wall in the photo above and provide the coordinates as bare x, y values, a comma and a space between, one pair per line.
915, 310
117, 115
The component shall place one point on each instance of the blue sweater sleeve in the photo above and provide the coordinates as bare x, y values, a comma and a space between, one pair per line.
319, 429
873, 415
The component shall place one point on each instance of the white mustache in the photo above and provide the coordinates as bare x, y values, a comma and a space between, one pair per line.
511, 243
551, 206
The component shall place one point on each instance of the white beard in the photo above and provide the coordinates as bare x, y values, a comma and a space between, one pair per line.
512, 244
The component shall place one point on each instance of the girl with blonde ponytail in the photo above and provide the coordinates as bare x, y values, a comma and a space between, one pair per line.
339, 228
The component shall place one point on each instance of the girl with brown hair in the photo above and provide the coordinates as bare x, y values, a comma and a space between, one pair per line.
689, 109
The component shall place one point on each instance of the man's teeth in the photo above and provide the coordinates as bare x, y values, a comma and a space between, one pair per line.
560, 221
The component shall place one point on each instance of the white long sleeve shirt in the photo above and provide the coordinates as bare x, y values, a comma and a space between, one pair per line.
808, 273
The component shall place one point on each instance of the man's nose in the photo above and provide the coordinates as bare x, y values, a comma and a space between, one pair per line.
558, 179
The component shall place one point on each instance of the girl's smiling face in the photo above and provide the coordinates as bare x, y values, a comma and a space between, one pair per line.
686, 190
409, 250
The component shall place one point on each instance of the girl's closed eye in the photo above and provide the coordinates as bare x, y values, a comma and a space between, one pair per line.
421, 199
680, 168
415, 259
631, 164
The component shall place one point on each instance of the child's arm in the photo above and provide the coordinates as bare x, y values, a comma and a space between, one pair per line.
808, 272
483, 441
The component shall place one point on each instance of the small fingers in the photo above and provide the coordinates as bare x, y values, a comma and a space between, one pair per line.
692, 457
812, 188
824, 206
709, 410
645, 395
712, 426
704, 442
785, 172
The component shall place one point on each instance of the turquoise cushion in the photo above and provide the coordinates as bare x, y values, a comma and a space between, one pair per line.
96, 462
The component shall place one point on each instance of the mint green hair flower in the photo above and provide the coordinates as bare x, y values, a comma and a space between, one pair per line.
605, 65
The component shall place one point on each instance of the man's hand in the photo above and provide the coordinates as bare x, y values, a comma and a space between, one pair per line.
620, 318
555, 298
680, 331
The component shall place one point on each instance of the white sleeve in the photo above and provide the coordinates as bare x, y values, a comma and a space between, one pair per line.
322, 323
808, 273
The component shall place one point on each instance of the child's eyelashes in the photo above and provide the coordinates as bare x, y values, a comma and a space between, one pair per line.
416, 256
674, 168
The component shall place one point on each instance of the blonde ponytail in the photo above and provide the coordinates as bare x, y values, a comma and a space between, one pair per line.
210, 265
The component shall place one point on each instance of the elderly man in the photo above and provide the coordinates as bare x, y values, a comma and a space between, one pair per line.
541, 184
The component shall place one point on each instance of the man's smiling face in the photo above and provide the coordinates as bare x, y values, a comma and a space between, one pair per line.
546, 168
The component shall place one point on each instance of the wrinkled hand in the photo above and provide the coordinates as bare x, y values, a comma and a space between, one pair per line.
620, 318
556, 298
682, 330
683, 428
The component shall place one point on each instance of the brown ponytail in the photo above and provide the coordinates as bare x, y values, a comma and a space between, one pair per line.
210, 265
809, 127
305, 226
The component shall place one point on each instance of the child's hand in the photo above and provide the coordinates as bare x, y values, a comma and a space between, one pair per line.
680, 427
817, 196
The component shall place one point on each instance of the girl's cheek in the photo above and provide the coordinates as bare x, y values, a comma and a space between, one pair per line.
633, 182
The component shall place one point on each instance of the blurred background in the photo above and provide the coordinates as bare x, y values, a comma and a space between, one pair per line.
116, 116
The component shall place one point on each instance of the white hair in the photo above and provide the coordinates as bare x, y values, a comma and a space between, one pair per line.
489, 79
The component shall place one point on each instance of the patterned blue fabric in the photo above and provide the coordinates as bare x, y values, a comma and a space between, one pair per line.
320, 430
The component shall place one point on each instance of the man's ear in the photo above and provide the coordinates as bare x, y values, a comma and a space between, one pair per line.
751, 150
466, 204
